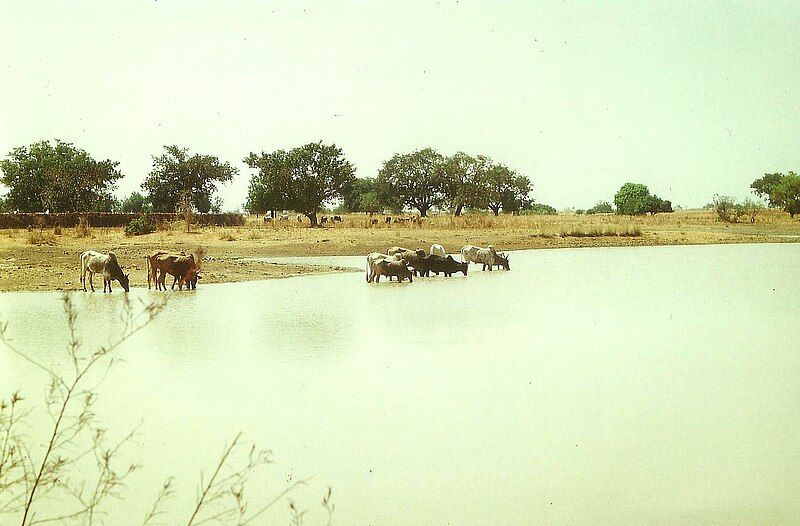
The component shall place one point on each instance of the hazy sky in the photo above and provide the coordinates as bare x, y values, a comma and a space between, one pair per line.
691, 98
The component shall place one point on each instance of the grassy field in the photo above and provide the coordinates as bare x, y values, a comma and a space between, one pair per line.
48, 260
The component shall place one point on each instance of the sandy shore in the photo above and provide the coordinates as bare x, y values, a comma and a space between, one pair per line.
53, 265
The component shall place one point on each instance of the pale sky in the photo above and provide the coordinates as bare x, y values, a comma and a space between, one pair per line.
690, 98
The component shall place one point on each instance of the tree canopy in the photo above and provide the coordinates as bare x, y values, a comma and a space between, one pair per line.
461, 180
502, 188
764, 188
302, 179
362, 196
786, 194
176, 175
635, 199
135, 203
58, 177
414, 179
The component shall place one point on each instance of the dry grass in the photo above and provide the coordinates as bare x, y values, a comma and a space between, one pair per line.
40, 237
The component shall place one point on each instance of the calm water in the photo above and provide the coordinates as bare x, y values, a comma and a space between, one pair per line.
594, 386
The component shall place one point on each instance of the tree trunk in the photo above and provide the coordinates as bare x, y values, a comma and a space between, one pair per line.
312, 216
423, 211
496, 210
459, 208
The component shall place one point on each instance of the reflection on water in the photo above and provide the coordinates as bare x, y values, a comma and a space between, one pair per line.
626, 385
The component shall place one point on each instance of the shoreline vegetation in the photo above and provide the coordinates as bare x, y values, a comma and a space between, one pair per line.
46, 259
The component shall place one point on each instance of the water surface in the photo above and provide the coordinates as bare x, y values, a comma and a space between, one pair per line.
603, 386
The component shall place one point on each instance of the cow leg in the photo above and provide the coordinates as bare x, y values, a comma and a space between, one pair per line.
91, 280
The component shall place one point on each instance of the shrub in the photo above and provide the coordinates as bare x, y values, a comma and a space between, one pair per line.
725, 207
82, 229
140, 226
603, 207
39, 237
540, 209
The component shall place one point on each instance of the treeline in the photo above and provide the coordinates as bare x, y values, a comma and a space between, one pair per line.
58, 177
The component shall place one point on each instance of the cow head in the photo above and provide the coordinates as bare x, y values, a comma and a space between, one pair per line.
502, 260
125, 281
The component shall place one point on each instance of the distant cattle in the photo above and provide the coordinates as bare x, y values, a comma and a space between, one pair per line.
267, 219
299, 218
387, 267
284, 216
337, 219
323, 220
387, 219
93, 262
438, 250
373, 222
445, 265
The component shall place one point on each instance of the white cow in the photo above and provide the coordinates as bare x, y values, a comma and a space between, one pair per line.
95, 262
485, 256
438, 250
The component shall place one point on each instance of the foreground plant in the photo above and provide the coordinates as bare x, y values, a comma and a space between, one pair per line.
80, 469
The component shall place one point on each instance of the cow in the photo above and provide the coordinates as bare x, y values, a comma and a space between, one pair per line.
94, 262
373, 258
501, 260
438, 250
151, 262
387, 219
373, 222
284, 216
436, 264
299, 218
409, 256
387, 267
323, 220
488, 257
184, 270
468, 253
267, 219
337, 219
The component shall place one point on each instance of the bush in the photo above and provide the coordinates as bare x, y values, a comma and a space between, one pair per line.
82, 228
725, 207
140, 226
38, 237
603, 207
539, 209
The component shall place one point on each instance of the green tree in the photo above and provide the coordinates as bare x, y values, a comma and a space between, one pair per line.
461, 179
655, 205
633, 199
518, 195
786, 194
500, 187
765, 186
602, 207
302, 179
362, 196
176, 175
414, 180
135, 203
58, 177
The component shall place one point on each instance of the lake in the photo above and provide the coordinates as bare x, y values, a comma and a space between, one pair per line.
585, 386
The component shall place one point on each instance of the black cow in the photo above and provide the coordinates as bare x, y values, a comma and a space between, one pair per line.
436, 264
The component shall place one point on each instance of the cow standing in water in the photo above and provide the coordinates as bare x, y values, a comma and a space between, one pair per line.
96, 262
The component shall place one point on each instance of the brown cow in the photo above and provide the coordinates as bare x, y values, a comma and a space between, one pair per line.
411, 257
183, 268
389, 268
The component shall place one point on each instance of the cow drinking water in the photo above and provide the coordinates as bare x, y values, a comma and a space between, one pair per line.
96, 262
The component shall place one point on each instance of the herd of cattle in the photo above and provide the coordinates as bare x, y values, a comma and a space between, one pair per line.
403, 263
398, 262
184, 269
